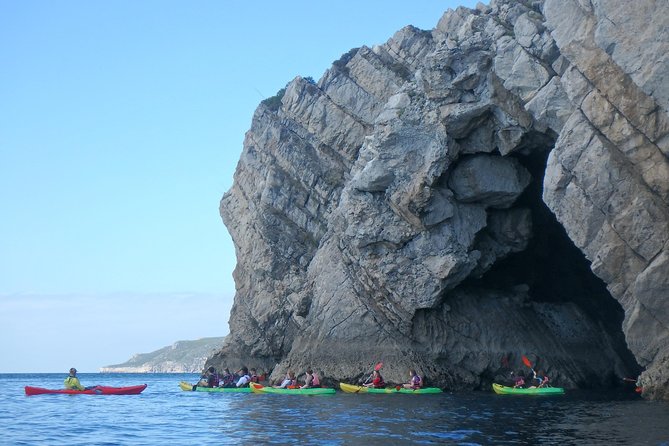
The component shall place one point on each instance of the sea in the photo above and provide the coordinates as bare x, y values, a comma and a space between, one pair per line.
165, 415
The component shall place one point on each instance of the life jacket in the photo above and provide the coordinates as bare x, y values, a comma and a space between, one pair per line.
228, 378
378, 383
214, 380
72, 382
255, 379
315, 382
416, 382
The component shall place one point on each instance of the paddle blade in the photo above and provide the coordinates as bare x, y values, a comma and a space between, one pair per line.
526, 361
378, 366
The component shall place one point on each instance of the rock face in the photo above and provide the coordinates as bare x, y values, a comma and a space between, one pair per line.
456, 198
180, 357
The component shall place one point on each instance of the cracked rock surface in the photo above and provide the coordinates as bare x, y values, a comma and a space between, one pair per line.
456, 198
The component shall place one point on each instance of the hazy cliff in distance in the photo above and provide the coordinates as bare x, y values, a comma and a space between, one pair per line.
180, 357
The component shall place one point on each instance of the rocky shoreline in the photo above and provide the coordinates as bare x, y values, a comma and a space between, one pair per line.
456, 198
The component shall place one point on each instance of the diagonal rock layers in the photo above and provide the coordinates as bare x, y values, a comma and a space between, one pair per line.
456, 198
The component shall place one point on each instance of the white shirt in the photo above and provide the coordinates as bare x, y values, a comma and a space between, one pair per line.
243, 380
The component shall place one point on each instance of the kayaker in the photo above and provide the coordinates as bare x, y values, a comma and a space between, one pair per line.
289, 381
244, 377
311, 380
72, 382
211, 378
254, 376
518, 380
377, 381
415, 381
542, 378
539, 378
228, 379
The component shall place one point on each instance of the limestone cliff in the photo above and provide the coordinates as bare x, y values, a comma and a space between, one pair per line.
456, 198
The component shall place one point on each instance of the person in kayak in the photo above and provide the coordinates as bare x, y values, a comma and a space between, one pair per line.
72, 382
377, 381
210, 378
254, 376
311, 380
228, 379
540, 378
415, 381
288, 382
244, 377
518, 380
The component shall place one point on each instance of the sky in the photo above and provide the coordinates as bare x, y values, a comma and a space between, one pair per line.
121, 124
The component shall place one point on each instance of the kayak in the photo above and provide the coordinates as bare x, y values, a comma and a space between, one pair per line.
97, 390
189, 387
504, 390
350, 388
257, 388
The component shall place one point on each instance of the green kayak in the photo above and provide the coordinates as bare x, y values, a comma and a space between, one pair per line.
257, 388
189, 387
504, 390
351, 388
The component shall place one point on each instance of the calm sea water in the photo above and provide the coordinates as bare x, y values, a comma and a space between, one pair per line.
165, 415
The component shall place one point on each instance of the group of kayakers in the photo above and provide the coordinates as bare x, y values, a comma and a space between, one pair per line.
311, 380
376, 381
211, 378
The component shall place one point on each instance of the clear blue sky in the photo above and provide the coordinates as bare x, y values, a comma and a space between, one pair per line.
121, 123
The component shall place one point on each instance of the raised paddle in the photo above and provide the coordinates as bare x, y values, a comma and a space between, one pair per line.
528, 363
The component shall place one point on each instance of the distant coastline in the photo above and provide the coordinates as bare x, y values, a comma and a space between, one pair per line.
180, 357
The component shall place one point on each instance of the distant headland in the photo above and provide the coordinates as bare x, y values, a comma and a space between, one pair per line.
180, 357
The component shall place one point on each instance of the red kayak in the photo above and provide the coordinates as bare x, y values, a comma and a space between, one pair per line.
98, 390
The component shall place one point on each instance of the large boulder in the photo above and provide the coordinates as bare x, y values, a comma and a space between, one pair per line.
454, 199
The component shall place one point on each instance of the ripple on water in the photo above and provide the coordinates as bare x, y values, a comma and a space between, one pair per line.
165, 415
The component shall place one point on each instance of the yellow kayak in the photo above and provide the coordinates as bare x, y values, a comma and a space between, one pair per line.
187, 387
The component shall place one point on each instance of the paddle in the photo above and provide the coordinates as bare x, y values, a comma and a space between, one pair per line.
527, 362
377, 367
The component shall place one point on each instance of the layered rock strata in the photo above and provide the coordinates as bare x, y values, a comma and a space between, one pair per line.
456, 198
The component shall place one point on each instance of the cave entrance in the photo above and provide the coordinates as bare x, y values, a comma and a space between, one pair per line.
552, 266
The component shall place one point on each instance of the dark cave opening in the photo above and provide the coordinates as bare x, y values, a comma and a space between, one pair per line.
552, 266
